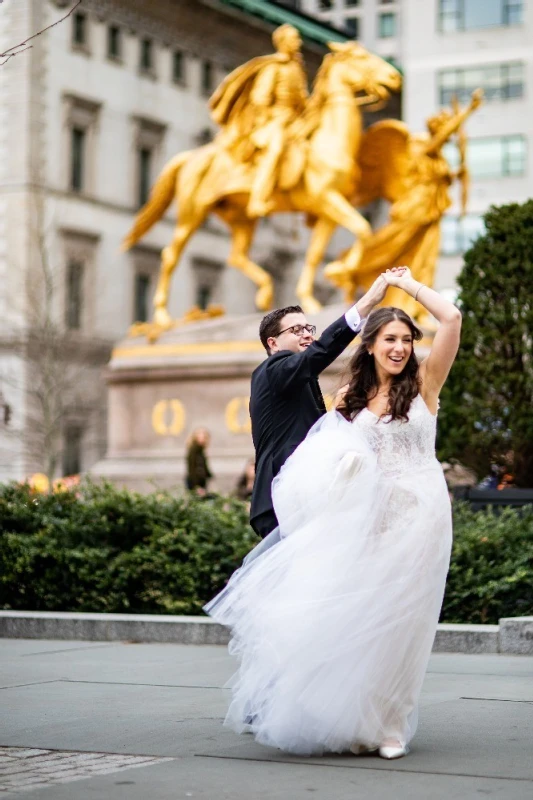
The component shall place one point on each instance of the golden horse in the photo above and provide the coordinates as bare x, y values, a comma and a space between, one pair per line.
318, 174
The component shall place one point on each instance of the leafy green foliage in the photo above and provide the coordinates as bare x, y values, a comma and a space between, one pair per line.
486, 406
491, 570
108, 550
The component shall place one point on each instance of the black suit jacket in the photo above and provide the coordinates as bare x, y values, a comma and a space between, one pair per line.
285, 403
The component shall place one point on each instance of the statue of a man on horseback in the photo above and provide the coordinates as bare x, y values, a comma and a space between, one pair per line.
256, 105
277, 151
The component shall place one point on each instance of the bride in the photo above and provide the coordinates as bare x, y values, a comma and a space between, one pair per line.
333, 625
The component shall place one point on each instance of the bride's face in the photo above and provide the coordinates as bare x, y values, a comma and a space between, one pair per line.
392, 347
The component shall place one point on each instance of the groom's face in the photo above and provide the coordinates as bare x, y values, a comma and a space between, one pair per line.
293, 336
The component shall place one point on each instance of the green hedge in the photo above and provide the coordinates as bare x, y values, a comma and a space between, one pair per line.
491, 569
99, 548
104, 549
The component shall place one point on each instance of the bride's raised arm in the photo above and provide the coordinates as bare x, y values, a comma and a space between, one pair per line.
435, 368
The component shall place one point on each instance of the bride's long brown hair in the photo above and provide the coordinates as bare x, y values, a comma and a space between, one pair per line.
363, 384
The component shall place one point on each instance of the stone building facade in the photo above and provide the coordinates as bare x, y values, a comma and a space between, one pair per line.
89, 116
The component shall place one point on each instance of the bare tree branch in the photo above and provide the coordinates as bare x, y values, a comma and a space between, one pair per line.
16, 50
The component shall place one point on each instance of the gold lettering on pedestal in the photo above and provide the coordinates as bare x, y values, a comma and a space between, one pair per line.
238, 415
168, 417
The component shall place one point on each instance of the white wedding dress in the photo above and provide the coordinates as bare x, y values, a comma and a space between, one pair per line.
334, 624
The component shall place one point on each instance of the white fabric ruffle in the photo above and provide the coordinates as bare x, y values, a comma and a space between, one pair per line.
333, 615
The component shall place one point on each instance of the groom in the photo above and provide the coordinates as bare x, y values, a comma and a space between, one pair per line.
286, 400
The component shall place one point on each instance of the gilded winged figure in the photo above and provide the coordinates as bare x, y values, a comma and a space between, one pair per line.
411, 172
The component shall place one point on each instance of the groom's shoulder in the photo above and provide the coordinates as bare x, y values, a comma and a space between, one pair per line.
270, 362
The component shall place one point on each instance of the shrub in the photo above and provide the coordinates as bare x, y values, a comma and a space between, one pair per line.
103, 549
485, 415
491, 570
106, 549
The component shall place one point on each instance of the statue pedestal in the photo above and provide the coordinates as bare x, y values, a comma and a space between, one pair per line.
194, 376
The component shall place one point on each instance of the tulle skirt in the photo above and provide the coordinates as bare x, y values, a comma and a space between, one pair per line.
333, 616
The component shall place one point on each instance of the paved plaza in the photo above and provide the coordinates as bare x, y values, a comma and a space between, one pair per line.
110, 721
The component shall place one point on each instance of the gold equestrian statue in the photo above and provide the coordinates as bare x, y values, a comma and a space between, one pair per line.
277, 151
410, 172
256, 106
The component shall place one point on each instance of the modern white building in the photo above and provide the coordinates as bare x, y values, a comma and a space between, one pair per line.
89, 115
451, 47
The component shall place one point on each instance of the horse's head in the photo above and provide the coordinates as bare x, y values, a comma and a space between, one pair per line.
363, 71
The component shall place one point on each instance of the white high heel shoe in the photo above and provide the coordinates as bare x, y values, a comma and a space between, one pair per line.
390, 751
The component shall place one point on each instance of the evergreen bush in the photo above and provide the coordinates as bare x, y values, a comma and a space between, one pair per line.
102, 549
486, 405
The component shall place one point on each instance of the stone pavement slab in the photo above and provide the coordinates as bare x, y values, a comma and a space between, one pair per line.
25, 769
168, 701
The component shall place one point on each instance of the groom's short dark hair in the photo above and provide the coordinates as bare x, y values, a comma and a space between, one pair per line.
270, 325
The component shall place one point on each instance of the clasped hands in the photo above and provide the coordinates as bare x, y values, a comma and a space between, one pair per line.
397, 276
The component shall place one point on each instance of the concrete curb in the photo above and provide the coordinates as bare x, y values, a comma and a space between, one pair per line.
466, 639
513, 635
111, 627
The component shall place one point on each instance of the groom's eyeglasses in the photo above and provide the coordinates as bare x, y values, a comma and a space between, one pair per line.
298, 330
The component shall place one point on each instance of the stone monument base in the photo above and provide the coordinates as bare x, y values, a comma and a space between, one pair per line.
194, 376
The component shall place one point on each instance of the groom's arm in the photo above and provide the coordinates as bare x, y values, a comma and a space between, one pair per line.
286, 371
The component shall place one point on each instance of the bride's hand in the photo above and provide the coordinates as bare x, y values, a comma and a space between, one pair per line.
397, 276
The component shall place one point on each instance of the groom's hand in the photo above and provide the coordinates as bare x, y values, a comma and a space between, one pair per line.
397, 276
375, 295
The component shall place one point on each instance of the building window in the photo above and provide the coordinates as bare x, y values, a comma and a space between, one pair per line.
148, 145
464, 15
204, 136
114, 42
351, 3
325, 5
207, 281
81, 117
178, 66
77, 159
145, 174
79, 29
351, 26
146, 61
492, 157
78, 259
458, 234
387, 26
74, 295
499, 82
207, 77
142, 297
204, 295
72, 450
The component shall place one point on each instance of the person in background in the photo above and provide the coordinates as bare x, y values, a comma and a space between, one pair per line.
198, 472
245, 484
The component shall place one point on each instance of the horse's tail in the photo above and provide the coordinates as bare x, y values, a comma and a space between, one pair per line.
160, 198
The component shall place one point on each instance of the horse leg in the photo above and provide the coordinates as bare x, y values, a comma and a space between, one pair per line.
320, 236
242, 233
343, 213
169, 258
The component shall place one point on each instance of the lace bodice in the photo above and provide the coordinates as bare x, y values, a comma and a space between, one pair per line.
399, 445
